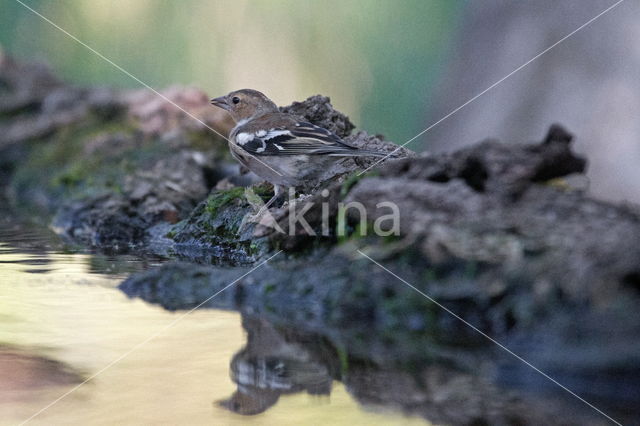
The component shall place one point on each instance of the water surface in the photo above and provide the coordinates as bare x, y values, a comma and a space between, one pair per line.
62, 319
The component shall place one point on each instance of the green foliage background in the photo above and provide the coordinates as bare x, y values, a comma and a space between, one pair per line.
377, 60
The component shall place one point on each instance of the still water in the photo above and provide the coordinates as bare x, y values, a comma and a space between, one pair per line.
62, 320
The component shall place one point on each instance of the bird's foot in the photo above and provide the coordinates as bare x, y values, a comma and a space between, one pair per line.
261, 217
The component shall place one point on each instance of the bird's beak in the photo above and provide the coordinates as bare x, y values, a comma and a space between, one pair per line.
220, 102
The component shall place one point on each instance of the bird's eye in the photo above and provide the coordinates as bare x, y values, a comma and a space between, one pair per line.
235, 99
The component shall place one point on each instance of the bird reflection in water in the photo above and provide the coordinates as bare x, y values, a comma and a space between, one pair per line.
275, 363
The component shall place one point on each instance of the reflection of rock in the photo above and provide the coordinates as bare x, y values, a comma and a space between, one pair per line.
279, 360
586, 339
23, 373
444, 395
274, 363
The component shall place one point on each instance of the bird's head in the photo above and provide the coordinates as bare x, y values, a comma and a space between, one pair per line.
245, 104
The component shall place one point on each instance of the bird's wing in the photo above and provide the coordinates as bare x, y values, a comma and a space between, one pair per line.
302, 138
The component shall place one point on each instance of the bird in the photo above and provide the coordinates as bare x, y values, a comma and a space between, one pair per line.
279, 147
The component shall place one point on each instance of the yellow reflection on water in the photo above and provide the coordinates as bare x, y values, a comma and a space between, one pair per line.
78, 318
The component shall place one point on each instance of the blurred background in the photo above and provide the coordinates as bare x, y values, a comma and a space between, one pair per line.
394, 67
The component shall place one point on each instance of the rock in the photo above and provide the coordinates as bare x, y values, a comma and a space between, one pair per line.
319, 111
119, 220
106, 165
177, 108
24, 85
495, 167
216, 232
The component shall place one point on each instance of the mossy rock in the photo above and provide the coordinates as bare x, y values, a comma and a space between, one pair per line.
59, 169
217, 224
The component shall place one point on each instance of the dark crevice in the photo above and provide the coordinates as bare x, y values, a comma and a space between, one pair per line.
440, 177
475, 174
632, 281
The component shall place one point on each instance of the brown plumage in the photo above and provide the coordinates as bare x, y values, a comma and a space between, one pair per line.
279, 147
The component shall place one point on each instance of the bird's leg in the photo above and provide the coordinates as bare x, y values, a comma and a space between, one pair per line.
256, 217
277, 191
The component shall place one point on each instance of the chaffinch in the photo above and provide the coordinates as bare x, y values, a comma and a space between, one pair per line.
279, 147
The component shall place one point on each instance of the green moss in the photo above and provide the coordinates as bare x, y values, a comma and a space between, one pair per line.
216, 221
343, 356
224, 230
174, 230
471, 269
68, 179
353, 179
349, 183
222, 198
430, 275
265, 190
58, 167
361, 230
341, 225
204, 140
